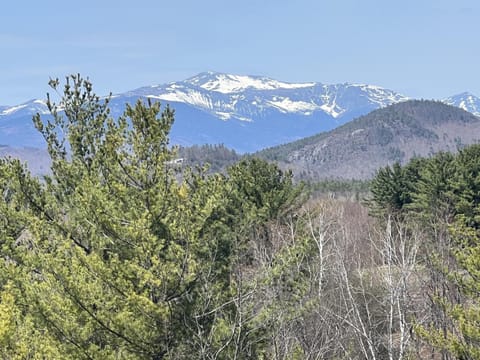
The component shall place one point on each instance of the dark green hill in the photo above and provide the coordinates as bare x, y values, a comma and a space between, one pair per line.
217, 156
394, 133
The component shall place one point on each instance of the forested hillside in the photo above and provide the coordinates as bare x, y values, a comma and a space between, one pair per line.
218, 157
121, 254
395, 133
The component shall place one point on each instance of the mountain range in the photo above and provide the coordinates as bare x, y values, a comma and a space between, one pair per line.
320, 131
246, 113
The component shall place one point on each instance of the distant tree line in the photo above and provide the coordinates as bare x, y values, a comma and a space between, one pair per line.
217, 156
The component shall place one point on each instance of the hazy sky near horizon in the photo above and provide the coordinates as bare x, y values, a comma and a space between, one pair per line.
423, 48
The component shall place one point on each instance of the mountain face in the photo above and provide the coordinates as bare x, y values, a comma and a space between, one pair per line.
16, 125
465, 101
246, 113
248, 98
394, 133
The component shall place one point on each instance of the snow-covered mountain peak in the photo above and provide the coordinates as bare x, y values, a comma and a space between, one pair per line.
228, 83
245, 97
29, 107
382, 96
466, 101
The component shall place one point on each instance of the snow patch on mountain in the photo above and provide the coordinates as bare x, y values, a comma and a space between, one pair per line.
228, 84
30, 107
381, 96
465, 101
223, 115
189, 96
332, 109
287, 105
13, 109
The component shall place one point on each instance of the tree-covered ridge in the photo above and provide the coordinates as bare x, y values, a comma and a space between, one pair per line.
392, 134
219, 157
412, 113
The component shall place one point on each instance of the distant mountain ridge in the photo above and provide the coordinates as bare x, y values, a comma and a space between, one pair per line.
246, 113
384, 136
248, 97
465, 101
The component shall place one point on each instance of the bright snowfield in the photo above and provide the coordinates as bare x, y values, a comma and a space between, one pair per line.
242, 97
228, 84
32, 107
465, 101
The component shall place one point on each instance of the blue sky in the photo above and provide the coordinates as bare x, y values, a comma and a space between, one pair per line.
422, 48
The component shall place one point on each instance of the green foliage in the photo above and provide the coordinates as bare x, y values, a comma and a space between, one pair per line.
114, 257
337, 186
443, 186
462, 340
218, 157
443, 194
431, 194
466, 185
391, 190
261, 187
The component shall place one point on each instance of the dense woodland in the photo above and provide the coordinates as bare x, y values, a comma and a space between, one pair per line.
121, 254
218, 157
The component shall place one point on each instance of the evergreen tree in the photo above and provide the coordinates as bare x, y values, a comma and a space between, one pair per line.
462, 338
466, 185
432, 193
116, 255
391, 189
